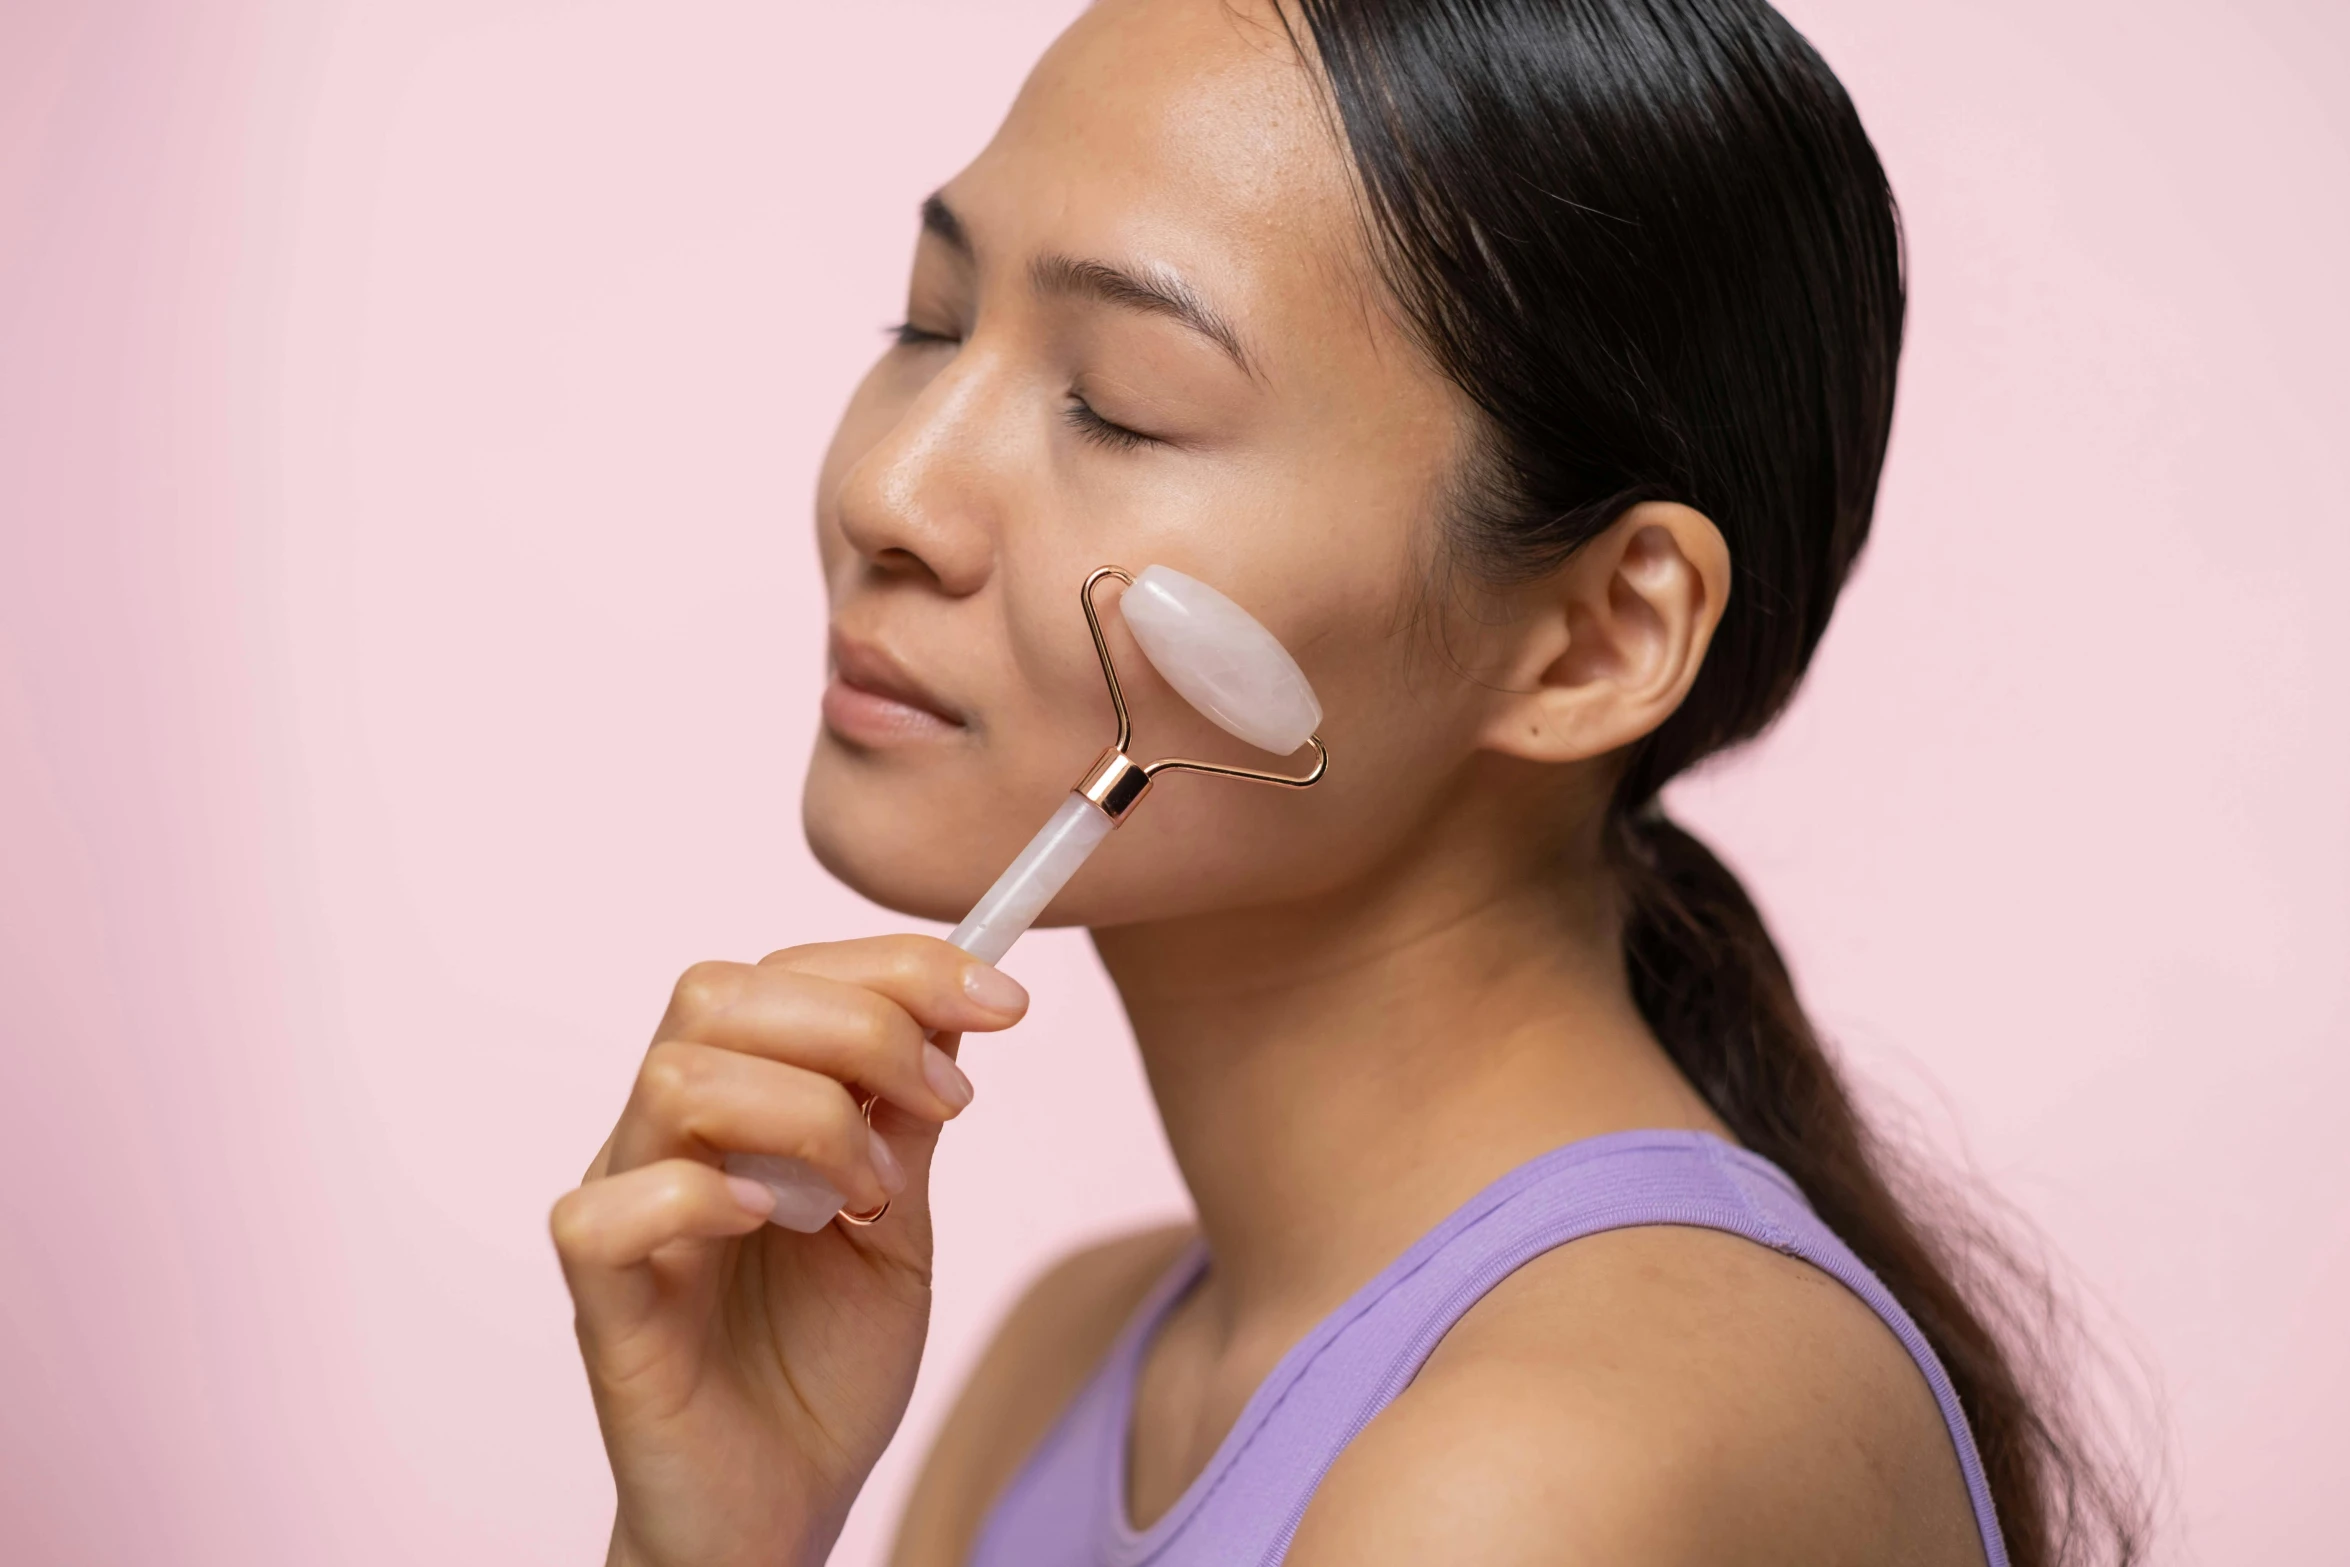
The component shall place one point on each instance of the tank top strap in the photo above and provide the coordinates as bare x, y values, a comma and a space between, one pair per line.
1067, 1507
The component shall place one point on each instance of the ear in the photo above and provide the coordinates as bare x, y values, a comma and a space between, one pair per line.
1611, 642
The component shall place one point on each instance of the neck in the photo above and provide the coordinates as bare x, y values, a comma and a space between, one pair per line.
1338, 1074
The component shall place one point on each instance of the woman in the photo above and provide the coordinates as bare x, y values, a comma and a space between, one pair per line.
1526, 366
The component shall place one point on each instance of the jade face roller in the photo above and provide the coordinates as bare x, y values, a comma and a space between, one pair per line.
1219, 660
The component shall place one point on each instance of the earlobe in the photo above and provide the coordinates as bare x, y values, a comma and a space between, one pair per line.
1615, 637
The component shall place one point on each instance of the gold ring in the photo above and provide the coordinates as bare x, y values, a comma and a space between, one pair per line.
873, 1217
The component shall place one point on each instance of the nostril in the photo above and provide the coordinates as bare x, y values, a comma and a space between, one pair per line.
900, 563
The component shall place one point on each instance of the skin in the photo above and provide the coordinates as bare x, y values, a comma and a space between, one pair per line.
1358, 1004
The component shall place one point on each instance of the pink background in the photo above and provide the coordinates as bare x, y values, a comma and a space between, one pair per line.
408, 646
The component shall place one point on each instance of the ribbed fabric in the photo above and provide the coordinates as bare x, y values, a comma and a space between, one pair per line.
1067, 1506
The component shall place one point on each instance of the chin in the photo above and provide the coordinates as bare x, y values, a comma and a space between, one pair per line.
887, 880
928, 843
891, 844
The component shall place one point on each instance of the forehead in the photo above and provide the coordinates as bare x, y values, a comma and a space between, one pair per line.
1184, 133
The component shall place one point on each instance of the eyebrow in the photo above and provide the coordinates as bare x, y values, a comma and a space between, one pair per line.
1162, 294
939, 219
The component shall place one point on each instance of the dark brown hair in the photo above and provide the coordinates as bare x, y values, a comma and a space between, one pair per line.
1651, 242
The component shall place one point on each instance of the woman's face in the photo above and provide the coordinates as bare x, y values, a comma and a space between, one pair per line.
1141, 329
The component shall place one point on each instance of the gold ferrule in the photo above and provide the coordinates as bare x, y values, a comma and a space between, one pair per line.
1116, 782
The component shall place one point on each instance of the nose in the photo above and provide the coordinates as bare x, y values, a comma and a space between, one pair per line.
921, 500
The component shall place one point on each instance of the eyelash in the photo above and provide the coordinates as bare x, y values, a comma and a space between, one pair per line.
1096, 428
1079, 415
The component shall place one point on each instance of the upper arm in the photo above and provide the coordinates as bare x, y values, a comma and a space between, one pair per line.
1654, 1398
1040, 1357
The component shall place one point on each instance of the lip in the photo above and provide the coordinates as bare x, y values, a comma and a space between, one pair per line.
873, 699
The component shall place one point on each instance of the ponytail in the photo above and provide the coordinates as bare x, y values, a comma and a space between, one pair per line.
1650, 242
1714, 990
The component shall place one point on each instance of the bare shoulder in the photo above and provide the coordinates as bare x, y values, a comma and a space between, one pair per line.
1654, 1397
1042, 1354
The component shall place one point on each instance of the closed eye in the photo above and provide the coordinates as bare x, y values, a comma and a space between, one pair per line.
908, 335
1081, 417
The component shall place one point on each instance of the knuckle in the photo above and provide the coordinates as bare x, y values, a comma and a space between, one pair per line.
912, 962
926, 959
703, 991
902, 1044
892, 1038
667, 1082
567, 1224
871, 1022
671, 1199
835, 1134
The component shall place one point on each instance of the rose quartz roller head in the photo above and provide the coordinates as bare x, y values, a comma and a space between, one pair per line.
1219, 660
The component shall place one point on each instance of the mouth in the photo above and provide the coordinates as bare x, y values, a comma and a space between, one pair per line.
873, 700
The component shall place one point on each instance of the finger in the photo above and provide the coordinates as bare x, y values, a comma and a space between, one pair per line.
697, 1101
606, 1230
843, 1030
943, 986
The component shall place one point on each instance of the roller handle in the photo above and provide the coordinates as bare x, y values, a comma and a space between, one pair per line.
805, 1200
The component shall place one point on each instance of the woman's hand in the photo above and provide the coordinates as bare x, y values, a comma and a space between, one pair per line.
746, 1376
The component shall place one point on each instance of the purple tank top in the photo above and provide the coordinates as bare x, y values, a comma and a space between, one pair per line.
1067, 1506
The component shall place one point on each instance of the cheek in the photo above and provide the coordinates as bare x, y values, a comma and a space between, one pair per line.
925, 828
1399, 737
1320, 549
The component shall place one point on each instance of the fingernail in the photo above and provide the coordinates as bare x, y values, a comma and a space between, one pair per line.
945, 1078
886, 1168
753, 1197
993, 989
